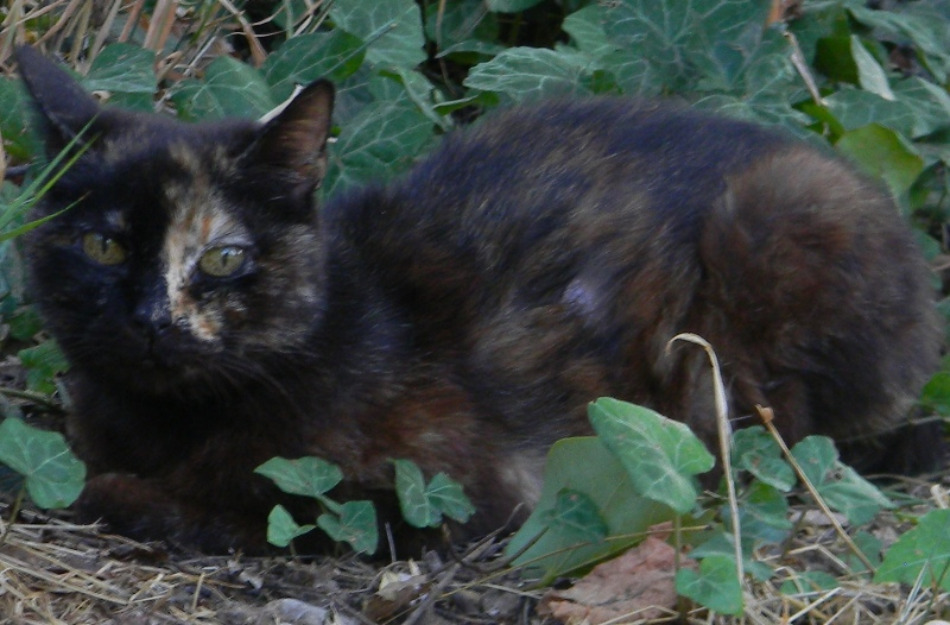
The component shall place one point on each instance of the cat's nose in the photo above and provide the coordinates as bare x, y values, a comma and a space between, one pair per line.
152, 316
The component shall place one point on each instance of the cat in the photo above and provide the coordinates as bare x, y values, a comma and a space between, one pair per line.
462, 317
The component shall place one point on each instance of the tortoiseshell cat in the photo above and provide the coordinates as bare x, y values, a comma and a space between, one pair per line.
461, 318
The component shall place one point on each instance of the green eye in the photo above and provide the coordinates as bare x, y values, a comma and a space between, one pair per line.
222, 261
103, 249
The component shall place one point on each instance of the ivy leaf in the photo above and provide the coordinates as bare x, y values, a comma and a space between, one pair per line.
308, 476
423, 505
122, 67
576, 518
529, 73
355, 524
870, 546
281, 527
586, 29
715, 585
43, 363
871, 75
230, 89
379, 142
925, 26
920, 108
842, 488
510, 6
659, 454
334, 55
722, 543
583, 465
763, 515
462, 24
447, 495
882, 152
413, 500
54, 476
922, 551
754, 450
936, 393
392, 29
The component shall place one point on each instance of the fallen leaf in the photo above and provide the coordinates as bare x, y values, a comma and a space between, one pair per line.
638, 584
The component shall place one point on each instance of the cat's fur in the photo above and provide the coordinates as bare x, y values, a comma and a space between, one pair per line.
462, 317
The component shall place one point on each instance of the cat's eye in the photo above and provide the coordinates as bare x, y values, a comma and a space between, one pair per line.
103, 249
222, 261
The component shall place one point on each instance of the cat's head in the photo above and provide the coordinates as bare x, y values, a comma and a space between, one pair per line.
177, 253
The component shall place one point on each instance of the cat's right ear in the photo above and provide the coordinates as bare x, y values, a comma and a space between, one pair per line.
64, 108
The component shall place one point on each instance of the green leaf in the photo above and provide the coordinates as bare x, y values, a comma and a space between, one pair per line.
919, 108
355, 524
659, 454
576, 518
714, 586
122, 68
870, 546
677, 44
754, 450
586, 28
583, 465
230, 89
763, 514
16, 122
723, 544
447, 495
510, 6
308, 476
529, 73
936, 393
380, 142
924, 26
871, 75
25, 323
282, 529
463, 24
413, 499
423, 505
924, 551
842, 488
420, 92
54, 476
391, 28
882, 152
43, 363
332, 55
833, 58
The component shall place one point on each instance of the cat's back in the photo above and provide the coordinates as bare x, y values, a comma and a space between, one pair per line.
516, 171
563, 245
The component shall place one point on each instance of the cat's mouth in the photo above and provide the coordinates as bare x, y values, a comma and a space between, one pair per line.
166, 357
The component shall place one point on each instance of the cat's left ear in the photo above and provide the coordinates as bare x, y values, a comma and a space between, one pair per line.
295, 139
63, 108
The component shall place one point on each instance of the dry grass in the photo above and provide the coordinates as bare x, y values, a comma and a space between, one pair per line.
52, 571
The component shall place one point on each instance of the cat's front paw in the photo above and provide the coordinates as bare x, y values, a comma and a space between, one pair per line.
143, 510
130, 506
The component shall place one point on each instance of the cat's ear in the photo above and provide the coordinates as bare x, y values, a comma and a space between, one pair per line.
295, 139
63, 108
